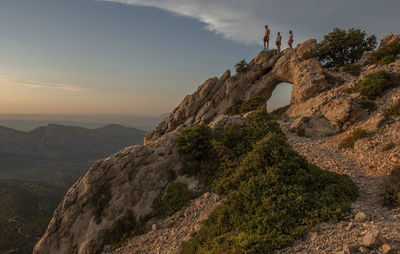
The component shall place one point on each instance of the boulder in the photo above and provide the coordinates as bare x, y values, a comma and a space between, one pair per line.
360, 217
313, 126
389, 38
221, 121
373, 239
307, 49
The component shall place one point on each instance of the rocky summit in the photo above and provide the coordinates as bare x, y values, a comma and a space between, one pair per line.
324, 114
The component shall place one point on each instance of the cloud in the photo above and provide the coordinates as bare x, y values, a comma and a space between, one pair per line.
243, 21
11, 81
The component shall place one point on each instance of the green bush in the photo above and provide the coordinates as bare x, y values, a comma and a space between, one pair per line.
99, 200
392, 189
375, 84
277, 113
273, 195
341, 47
333, 80
393, 110
351, 140
369, 105
242, 66
353, 69
242, 107
385, 54
175, 198
301, 132
122, 230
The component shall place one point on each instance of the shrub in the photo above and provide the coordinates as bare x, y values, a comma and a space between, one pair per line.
175, 198
301, 132
385, 54
123, 229
99, 200
242, 66
331, 79
393, 110
375, 84
242, 107
273, 195
277, 113
392, 189
369, 105
341, 47
353, 69
351, 140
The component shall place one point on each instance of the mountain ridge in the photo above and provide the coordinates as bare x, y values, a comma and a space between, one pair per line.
132, 179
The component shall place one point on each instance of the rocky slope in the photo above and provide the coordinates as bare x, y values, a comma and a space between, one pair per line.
134, 177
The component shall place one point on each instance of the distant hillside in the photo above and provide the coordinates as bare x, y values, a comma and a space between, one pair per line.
26, 208
68, 142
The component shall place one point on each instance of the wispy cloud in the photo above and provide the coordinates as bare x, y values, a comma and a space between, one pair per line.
12, 81
243, 21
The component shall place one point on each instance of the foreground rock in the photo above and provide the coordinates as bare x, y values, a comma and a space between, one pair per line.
167, 236
131, 179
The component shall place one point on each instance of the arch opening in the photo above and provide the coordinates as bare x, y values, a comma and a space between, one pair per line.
280, 96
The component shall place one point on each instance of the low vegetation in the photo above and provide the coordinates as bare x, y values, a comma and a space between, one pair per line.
242, 107
25, 211
341, 47
353, 69
374, 84
369, 105
393, 110
273, 195
333, 80
351, 140
176, 197
278, 113
99, 201
385, 54
242, 66
123, 229
392, 189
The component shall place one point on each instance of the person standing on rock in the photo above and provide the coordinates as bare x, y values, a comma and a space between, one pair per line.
278, 41
266, 37
290, 42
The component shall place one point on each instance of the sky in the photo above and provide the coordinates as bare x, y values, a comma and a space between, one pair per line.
143, 57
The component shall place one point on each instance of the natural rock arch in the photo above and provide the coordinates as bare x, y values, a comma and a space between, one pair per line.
280, 96
267, 70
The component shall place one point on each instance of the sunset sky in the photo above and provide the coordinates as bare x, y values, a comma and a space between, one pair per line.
143, 56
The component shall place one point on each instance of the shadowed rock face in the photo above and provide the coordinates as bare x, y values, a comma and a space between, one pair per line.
265, 72
134, 177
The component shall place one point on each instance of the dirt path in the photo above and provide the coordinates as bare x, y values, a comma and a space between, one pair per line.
368, 167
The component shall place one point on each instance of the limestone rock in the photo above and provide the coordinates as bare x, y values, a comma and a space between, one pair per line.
375, 123
388, 249
134, 177
360, 217
389, 38
265, 72
313, 126
221, 121
307, 49
373, 238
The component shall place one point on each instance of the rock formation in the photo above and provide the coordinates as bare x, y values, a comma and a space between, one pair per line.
134, 177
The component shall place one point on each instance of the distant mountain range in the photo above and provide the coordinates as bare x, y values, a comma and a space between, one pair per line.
68, 142
29, 122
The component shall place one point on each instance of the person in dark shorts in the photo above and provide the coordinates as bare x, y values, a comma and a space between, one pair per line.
278, 41
290, 42
266, 37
